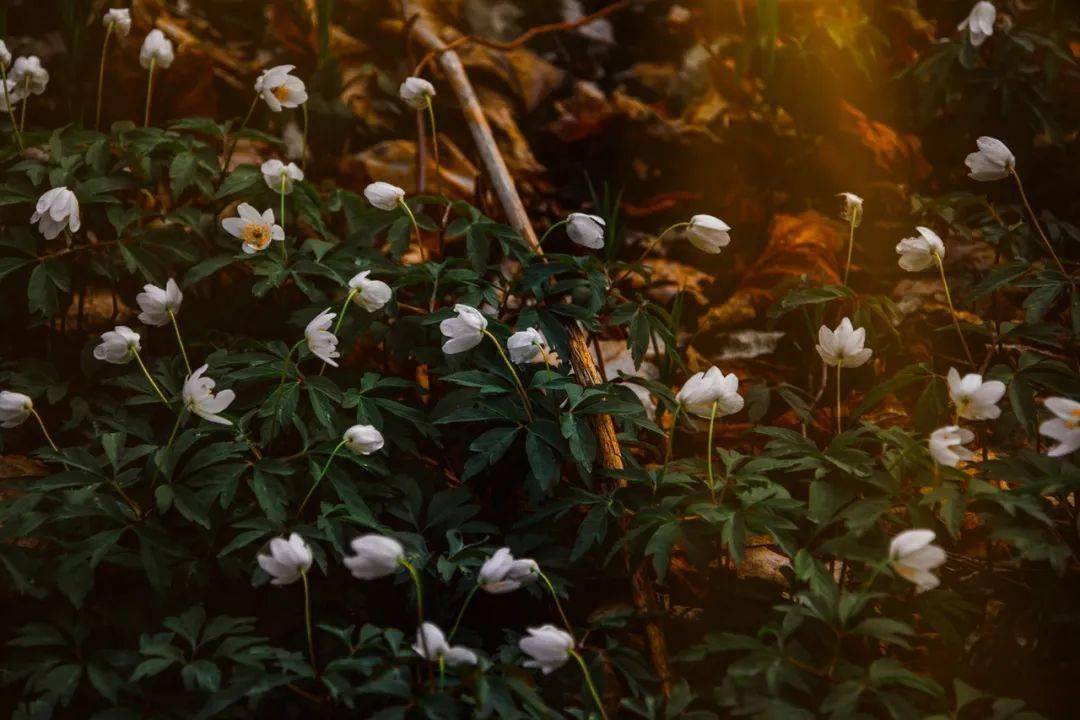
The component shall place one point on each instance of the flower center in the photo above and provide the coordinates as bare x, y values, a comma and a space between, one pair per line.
256, 235
281, 93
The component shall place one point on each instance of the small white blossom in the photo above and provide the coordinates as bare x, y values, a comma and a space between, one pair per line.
586, 230
843, 346
416, 92
913, 557
280, 89
376, 556
526, 346
119, 19
708, 234
463, 332
28, 76
320, 341
1064, 427
279, 176
431, 645
947, 445
363, 439
254, 229
501, 573
973, 398
56, 210
287, 561
705, 389
118, 346
158, 48
5, 54
979, 23
920, 252
384, 196
370, 294
548, 646
993, 160
199, 398
853, 208
14, 408
157, 303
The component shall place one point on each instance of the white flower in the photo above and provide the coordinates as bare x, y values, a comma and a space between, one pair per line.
416, 92
158, 48
157, 303
548, 646
370, 294
119, 19
28, 76
376, 556
118, 346
320, 341
287, 561
526, 345
979, 23
293, 137
199, 397
973, 398
56, 210
14, 408
920, 252
383, 195
254, 229
5, 54
363, 439
501, 573
704, 389
947, 445
586, 230
708, 234
852, 211
280, 89
431, 645
13, 96
463, 332
843, 346
1065, 428
276, 172
993, 161
913, 557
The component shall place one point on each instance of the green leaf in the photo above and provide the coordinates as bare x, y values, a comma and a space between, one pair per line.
182, 172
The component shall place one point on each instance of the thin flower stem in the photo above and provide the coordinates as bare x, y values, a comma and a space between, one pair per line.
11, 109
649, 249
318, 480
25, 102
589, 682
551, 229
435, 146
180, 340
558, 605
461, 613
175, 427
285, 362
232, 145
415, 575
341, 318
709, 451
127, 498
101, 74
149, 92
44, 431
285, 239
307, 621
303, 146
839, 407
442, 672
517, 380
1038, 227
412, 218
952, 310
138, 359
670, 443
850, 248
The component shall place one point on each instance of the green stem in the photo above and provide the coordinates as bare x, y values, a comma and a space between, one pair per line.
318, 480
285, 362
25, 102
850, 248
341, 318
1038, 227
285, 239
952, 309
101, 75
146, 372
558, 605
232, 145
44, 431
461, 613
709, 451
175, 427
839, 407
442, 672
149, 92
435, 145
670, 443
412, 218
415, 575
180, 340
551, 229
303, 147
589, 682
307, 621
649, 249
11, 110
517, 380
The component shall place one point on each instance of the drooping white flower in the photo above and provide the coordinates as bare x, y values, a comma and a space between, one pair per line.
383, 195
28, 76
548, 646
704, 389
526, 346
157, 303
254, 229
376, 556
416, 92
993, 160
287, 561
947, 445
852, 210
157, 48
979, 23
843, 346
1065, 427
708, 234
199, 397
501, 573
973, 398
56, 210
279, 176
363, 439
119, 19
913, 557
5, 54
12, 97
463, 332
586, 230
920, 252
370, 294
118, 346
14, 408
431, 645
280, 89
320, 341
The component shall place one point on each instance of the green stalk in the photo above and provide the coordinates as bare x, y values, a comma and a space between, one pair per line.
11, 110
1038, 227
307, 621
180, 340
232, 145
101, 75
461, 613
517, 380
149, 92
589, 681
649, 249
952, 309
318, 480
558, 605
341, 318
670, 443
146, 372
412, 218
839, 407
435, 145
175, 427
285, 363
25, 102
303, 150
850, 248
550, 230
709, 451
284, 240
44, 431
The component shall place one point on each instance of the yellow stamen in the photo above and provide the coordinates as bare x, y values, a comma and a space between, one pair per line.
281, 93
256, 235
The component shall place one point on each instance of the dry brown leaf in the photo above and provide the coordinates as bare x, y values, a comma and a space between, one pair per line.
898, 155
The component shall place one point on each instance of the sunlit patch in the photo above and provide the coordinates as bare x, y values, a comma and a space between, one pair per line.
256, 235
